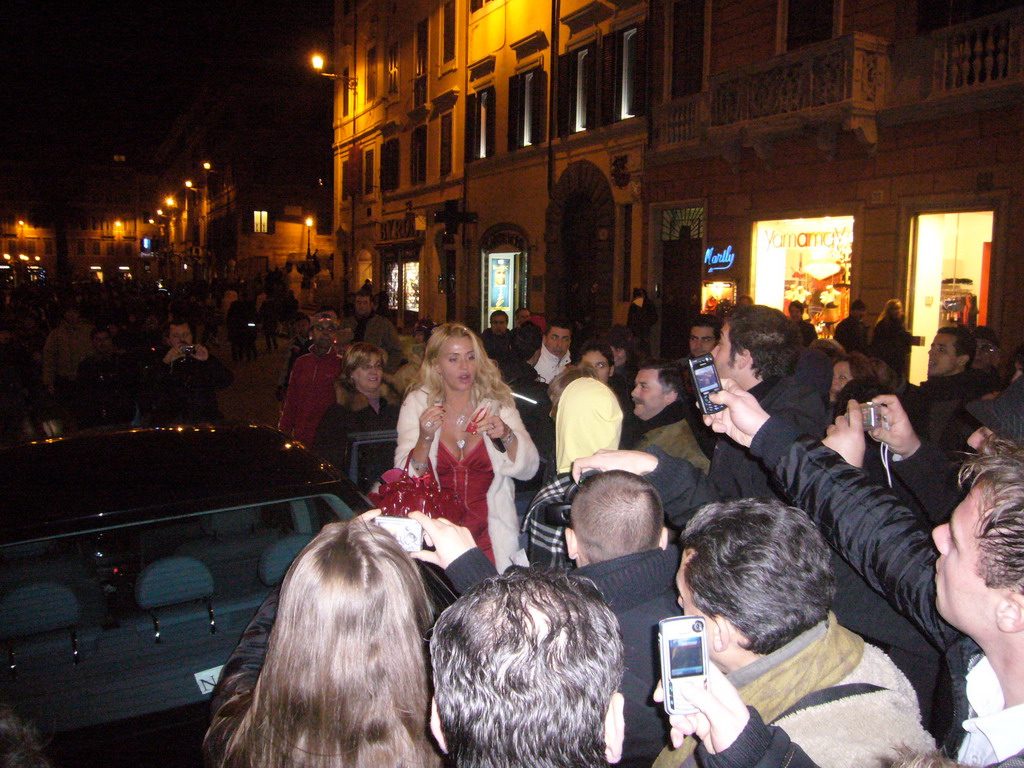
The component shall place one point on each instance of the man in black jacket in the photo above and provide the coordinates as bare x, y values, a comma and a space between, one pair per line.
968, 596
618, 541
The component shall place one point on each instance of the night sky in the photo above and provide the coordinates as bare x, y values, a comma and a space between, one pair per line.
87, 80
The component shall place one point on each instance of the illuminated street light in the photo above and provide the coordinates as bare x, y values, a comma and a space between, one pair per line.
159, 212
206, 166
309, 228
188, 184
118, 224
7, 257
318, 64
170, 202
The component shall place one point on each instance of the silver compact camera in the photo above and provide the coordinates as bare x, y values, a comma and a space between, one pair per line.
873, 415
187, 349
408, 532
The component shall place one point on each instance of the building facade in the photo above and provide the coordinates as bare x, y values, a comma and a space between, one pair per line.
486, 155
832, 151
87, 222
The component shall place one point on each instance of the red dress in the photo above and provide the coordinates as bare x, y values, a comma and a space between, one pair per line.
470, 478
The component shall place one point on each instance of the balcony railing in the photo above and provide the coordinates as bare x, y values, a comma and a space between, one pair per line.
838, 82
853, 70
980, 54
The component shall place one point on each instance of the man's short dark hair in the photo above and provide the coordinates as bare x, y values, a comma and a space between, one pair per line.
615, 514
964, 343
670, 375
526, 340
498, 313
858, 304
558, 322
761, 565
773, 340
601, 348
708, 321
525, 665
179, 321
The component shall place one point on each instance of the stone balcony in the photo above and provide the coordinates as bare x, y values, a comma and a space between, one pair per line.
850, 83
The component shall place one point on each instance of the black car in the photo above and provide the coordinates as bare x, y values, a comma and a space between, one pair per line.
130, 563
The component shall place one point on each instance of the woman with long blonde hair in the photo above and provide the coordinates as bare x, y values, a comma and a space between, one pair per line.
344, 683
460, 422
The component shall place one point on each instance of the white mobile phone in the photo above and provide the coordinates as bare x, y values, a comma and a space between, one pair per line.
683, 647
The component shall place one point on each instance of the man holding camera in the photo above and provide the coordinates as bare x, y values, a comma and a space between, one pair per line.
758, 572
180, 384
962, 582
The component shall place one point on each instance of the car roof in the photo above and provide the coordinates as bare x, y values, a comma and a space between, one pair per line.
103, 479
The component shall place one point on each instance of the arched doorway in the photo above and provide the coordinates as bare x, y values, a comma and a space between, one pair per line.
505, 254
580, 237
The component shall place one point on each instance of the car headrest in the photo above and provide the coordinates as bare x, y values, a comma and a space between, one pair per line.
278, 557
231, 523
173, 580
39, 607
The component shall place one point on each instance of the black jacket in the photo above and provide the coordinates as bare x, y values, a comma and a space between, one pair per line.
640, 590
182, 392
886, 542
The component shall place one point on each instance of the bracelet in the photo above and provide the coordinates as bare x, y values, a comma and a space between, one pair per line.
427, 438
509, 438
419, 466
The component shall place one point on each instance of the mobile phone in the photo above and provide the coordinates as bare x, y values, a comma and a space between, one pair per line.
683, 648
706, 381
408, 532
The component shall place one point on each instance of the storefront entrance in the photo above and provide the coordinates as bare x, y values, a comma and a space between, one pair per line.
949, 280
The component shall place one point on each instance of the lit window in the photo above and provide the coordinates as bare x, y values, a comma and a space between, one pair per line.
582, 91
628, 69
259, 223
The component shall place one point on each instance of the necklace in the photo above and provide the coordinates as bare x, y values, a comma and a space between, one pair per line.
461, 441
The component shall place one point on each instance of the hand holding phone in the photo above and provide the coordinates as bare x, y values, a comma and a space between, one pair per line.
706, 382
683, 649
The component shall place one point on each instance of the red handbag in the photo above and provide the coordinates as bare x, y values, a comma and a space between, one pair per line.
401, 493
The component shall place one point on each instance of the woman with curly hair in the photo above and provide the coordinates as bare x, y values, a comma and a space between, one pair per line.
460, 422
344, 683
365, 402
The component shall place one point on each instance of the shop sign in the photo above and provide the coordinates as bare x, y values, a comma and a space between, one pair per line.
717, 262
403, 228
825, 238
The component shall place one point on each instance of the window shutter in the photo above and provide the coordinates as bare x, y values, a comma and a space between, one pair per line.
640, 71
611, 94
566, 92
515, 109
472, 121
539, 116
492, 114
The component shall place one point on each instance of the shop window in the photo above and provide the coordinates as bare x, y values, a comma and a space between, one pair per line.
448, 31
390, 156
806, 260
259, 222
480, 124
368, 171
445, 156
370, 92
527, 109
952, 253
807, 22
686, 61
393, 68
577, 79
418, 155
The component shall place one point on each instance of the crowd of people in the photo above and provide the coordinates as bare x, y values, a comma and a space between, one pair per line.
862, 584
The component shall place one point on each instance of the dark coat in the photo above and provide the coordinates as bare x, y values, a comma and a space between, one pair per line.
182, 392
354, 414
886, 542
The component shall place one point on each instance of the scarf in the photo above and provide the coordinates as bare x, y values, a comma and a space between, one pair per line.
819, 658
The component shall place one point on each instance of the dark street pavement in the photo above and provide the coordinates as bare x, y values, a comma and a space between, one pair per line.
250, 398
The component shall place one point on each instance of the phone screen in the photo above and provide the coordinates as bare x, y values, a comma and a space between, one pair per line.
706, 378
686, 656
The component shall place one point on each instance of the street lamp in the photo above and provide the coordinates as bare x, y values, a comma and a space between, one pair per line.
309, 228
318, 64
